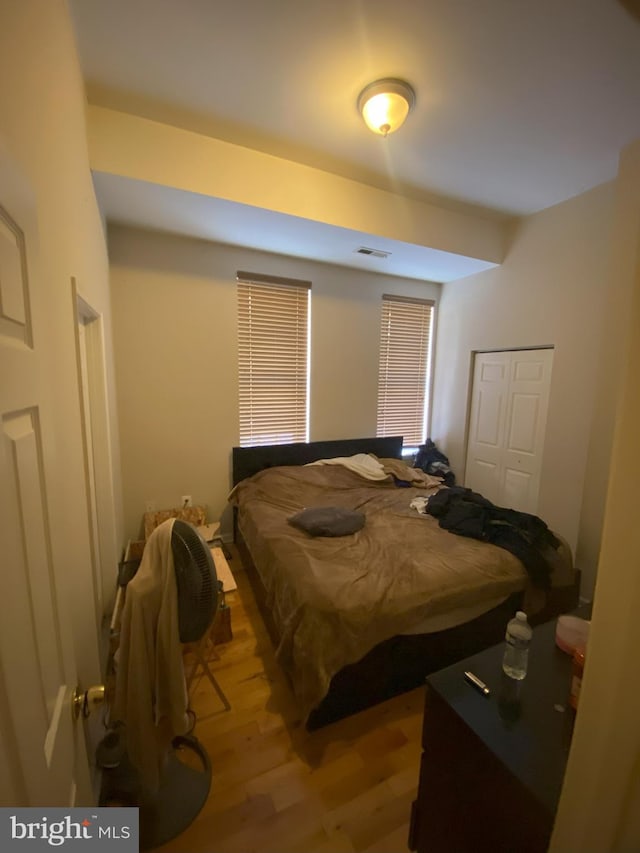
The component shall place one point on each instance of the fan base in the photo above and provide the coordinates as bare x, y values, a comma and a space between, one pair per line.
182, 794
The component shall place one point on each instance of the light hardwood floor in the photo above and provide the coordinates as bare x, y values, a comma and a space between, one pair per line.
277, 788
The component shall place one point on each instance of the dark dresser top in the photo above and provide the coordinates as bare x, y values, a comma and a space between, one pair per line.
527, 725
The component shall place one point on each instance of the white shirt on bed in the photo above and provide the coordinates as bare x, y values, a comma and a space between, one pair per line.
364, 464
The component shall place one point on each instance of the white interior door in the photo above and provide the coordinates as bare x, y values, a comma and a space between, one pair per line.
92, 386
509, 403
42, 748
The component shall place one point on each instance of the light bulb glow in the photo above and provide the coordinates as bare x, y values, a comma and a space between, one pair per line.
385, 105
385, 113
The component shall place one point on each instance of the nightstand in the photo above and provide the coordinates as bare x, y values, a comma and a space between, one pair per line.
492, 766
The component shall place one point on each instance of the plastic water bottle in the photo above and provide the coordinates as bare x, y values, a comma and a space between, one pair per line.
516, 653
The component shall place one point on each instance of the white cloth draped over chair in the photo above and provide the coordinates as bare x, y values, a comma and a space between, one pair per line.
151, 695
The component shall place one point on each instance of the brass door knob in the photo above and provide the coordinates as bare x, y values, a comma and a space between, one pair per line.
84, 702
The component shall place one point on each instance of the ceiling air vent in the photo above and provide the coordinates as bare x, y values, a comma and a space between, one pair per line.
375, 253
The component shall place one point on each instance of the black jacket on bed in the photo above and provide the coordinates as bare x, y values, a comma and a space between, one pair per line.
467, 513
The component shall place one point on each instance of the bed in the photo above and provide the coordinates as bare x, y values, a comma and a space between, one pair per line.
361, 617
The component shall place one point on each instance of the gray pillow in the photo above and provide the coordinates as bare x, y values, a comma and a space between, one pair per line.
328, 521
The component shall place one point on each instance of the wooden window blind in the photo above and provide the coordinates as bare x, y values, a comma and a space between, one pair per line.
273, 326
404, 368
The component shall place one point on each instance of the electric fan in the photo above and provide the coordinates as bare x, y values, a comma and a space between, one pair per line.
196, 581
199, 594
186, 782
186, 775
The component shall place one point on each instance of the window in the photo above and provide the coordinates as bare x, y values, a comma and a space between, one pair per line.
273, 359
405, 367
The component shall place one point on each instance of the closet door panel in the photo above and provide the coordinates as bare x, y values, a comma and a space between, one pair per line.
507, 422
528, 400
487, 422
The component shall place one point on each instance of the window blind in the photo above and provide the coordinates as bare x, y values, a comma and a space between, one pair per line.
273, 327
404, 367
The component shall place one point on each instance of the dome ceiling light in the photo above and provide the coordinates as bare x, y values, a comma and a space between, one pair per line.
385, 104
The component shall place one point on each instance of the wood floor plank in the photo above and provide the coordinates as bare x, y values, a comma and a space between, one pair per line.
386, 819
276, 788
286, 784
319, 842
395, 842
353, 811
380, 741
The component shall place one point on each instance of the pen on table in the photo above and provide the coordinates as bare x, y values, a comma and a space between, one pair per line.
477, 683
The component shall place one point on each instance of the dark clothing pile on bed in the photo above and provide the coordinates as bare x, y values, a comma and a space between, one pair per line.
467, 513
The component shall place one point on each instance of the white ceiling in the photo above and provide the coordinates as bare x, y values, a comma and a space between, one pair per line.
519, 106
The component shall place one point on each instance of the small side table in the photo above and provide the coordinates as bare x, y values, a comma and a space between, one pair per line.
211, 532
492, 766
222, 631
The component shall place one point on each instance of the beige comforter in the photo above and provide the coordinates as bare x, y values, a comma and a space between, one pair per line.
334, 599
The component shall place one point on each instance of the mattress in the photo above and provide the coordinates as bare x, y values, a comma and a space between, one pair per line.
334, 599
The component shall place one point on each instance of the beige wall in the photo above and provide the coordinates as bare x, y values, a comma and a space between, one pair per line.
174, 305
552, 289
134, 147
42, 125
600, 802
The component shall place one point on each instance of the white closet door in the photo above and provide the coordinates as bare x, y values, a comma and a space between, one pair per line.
487, 423
509, 402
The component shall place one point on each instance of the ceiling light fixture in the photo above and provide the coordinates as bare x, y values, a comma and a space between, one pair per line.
385, 104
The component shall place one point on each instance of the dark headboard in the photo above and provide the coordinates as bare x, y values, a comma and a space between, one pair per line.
249, 460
